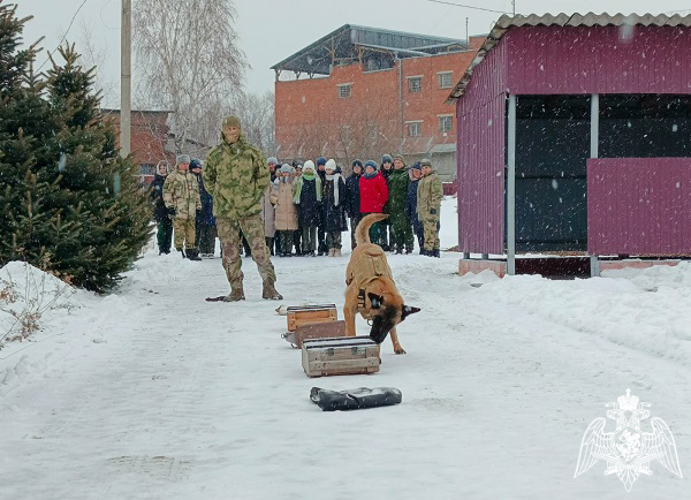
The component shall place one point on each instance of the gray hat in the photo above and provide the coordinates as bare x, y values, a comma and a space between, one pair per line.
182, 159
425, 163
271, 160
287, 169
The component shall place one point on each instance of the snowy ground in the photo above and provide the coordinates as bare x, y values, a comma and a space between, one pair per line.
152, 393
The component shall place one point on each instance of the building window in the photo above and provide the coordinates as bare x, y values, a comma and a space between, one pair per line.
445, 79
445, 123
344, 91
147, 169
415, 84
414, 129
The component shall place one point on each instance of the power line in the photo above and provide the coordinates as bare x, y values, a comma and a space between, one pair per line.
63, 36
470, 7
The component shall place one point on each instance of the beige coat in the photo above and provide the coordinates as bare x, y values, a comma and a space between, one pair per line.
268, 214
282, 197
181, 192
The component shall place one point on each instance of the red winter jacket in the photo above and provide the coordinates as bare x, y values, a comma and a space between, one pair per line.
373, 194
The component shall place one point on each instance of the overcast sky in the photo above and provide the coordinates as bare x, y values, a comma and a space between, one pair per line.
272, 30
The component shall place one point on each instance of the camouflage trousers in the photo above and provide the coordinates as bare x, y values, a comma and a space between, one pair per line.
229, 234
184, 232
431, 228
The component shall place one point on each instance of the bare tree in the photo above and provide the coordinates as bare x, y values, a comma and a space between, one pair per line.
257, 115
94, 56
190, 62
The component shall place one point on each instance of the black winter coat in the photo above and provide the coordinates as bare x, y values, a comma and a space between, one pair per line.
334, 215
309, 207
156, 195
352, 206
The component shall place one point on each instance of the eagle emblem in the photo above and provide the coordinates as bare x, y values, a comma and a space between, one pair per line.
628, 451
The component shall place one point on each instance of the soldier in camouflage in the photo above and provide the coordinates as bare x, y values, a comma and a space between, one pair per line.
429, 196
181, 197
237, 176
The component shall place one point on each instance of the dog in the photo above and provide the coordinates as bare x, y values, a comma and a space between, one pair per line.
371, 290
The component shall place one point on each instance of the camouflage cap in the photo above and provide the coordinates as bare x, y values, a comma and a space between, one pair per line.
231, 121
425, 163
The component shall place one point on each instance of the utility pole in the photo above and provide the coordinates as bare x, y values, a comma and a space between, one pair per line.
513, 3
125, 76
467, 33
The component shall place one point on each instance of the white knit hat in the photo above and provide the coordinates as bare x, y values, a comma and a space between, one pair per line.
330, 164
308, 164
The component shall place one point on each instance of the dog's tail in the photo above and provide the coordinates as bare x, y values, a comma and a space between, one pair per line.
362, 231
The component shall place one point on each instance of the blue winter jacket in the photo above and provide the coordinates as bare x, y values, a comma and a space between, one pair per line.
411, 202
205, 216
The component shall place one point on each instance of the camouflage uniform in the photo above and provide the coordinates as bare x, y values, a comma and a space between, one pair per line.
429, 196
181, 192
237, 175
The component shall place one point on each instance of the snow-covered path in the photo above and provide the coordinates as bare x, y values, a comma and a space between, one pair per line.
163, 395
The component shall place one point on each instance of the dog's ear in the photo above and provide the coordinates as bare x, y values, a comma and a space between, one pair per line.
376, 300
408, 310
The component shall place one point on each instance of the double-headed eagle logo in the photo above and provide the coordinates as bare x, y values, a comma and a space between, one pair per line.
628, 451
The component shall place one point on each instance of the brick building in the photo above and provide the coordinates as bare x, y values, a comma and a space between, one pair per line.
360, 92
150, 136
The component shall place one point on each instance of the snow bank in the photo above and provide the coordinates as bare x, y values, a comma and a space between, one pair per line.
647, 310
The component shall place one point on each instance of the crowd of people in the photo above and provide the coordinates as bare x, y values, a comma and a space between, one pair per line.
263, 208
307, 207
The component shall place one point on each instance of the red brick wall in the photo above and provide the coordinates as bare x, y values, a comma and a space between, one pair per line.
311, 118
149, 135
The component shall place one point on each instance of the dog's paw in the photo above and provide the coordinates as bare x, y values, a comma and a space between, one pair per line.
400, 350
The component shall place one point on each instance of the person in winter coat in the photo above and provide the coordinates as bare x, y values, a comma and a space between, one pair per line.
297, 235
321, 229
373, 196
164, 225
386, 169
308, 196
282, 193
411, 205
237, 175
429, 196
273, 165
269, 218
334, 208
353, 200
399, 223
205, 221
181, 196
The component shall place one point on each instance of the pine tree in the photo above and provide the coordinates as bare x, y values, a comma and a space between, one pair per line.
71, 204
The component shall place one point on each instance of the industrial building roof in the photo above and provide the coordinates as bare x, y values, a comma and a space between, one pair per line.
506, 22
341, 45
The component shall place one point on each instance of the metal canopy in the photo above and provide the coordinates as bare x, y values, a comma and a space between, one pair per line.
343, 46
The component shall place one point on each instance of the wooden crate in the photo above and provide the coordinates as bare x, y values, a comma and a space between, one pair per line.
318, 331
299, 315
340, 356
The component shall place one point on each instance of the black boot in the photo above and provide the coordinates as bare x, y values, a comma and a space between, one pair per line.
182, 252
435, 253
193, 254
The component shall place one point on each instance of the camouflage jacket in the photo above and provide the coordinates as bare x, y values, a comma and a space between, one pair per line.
181, 191
237, 176
429, 195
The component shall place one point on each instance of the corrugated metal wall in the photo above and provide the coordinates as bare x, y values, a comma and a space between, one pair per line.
603, 60
481, 157
639, 206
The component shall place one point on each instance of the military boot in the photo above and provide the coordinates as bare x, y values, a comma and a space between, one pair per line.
182, 252
269, 292
193, 255
236, 292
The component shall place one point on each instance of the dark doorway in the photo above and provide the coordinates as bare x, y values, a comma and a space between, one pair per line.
552, 145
